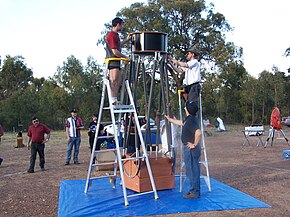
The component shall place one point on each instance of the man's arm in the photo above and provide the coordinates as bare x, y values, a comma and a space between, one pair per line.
67, 133
28, 143
47, 138
80, 125
178, 70
178, 63
117, 53
174, 121
197, 136
126, 39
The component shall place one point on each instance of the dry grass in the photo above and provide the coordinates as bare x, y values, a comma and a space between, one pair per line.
257, 171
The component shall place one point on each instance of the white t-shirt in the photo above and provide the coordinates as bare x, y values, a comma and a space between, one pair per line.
192, 72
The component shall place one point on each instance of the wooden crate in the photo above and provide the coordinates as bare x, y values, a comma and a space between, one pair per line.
162, 174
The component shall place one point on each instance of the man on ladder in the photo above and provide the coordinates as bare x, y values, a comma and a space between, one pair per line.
111, 89
192, 74
113, 49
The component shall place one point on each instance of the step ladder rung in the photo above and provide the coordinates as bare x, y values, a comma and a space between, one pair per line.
100, 177
105, 137
138, 194
106, 122
203, 162
132, 158
104, 164
105, 150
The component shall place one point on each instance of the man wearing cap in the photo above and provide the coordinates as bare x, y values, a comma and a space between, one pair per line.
190, 137
36, 142
192, 73
74, 125
113, 49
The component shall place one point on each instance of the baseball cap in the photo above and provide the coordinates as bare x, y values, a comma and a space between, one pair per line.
191, 107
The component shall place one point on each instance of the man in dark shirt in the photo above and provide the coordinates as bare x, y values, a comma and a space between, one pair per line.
36, 142
92, 133
190, 137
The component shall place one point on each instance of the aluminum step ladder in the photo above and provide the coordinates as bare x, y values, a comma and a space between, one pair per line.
203, 159
119, 160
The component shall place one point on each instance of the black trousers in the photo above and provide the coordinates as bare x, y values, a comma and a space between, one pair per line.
193, 91
37, 148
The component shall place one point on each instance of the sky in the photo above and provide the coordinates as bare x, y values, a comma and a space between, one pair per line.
46, 32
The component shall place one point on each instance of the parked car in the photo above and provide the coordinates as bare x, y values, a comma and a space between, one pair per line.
286, 121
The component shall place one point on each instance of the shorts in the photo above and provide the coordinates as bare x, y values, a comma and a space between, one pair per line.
114, 64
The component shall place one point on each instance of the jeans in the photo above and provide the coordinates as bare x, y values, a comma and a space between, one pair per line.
192, 167
37, 148
76, 142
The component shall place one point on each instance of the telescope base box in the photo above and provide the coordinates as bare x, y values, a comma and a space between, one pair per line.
162, 175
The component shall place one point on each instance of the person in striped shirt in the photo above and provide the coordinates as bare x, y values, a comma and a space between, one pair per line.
74, 125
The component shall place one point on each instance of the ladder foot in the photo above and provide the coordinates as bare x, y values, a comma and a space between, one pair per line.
156, 198
113, 181
126, 203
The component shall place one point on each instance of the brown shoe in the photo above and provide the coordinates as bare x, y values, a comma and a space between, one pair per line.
189, 195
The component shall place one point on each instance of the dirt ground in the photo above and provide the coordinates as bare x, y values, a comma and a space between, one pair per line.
257, 171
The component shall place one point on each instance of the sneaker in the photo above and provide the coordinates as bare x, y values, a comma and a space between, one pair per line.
189, 195
66, 163
30, 171
42, 169
76, 162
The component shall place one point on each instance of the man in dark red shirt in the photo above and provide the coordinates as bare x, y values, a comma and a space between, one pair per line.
113, 49
36, 142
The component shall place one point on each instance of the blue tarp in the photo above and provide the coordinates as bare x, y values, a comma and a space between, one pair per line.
103, 200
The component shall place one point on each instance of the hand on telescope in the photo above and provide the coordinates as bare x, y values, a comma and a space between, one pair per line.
172, 60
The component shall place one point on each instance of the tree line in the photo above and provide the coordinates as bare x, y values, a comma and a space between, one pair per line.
228, 91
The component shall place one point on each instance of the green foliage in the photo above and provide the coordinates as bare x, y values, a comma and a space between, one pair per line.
73, 86
228, 91
14, 75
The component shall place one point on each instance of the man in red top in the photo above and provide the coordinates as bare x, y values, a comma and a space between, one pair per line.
36, 142
113, 49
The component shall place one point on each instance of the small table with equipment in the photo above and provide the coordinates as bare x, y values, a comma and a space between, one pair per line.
253, 130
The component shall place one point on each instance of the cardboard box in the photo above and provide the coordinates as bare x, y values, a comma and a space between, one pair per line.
105, 157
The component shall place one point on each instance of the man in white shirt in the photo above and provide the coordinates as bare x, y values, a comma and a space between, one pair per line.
192, 73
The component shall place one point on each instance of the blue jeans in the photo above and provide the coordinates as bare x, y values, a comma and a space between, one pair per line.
192, 167
76, 142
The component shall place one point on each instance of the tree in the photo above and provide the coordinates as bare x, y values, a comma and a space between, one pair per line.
14, 75
82, 83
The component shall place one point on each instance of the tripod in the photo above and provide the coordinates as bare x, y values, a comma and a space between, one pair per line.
271, 135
